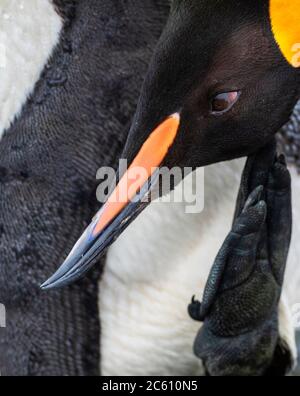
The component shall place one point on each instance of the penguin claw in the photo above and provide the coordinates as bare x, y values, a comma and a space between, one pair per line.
194, 310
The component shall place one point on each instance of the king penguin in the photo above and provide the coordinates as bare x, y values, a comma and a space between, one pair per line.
223, 80
212, 58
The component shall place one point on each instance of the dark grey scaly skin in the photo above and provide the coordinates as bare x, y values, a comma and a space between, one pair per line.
75, 121
239, 310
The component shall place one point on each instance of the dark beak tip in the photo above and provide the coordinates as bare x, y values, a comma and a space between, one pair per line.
54, 285
45, 286
54, 281
48, 285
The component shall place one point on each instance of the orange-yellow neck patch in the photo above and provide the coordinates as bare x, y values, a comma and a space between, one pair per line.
285, 19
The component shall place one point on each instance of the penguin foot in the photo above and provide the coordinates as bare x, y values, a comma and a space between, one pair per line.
239, 310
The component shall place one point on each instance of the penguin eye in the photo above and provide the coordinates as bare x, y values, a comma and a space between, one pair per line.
223, 102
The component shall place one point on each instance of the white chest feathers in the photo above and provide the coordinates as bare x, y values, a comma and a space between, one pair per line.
156, 266
29, 30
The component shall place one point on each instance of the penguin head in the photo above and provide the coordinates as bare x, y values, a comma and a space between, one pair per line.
219, 65
223, 79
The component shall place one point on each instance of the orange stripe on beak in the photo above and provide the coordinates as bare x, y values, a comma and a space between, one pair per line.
151, 155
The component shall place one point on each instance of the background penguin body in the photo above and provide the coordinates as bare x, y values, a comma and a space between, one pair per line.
28, 33
75, 121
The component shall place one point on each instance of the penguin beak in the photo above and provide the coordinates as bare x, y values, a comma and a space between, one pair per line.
129, 198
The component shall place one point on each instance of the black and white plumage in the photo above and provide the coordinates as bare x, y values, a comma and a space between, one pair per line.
74, 120
144, 283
